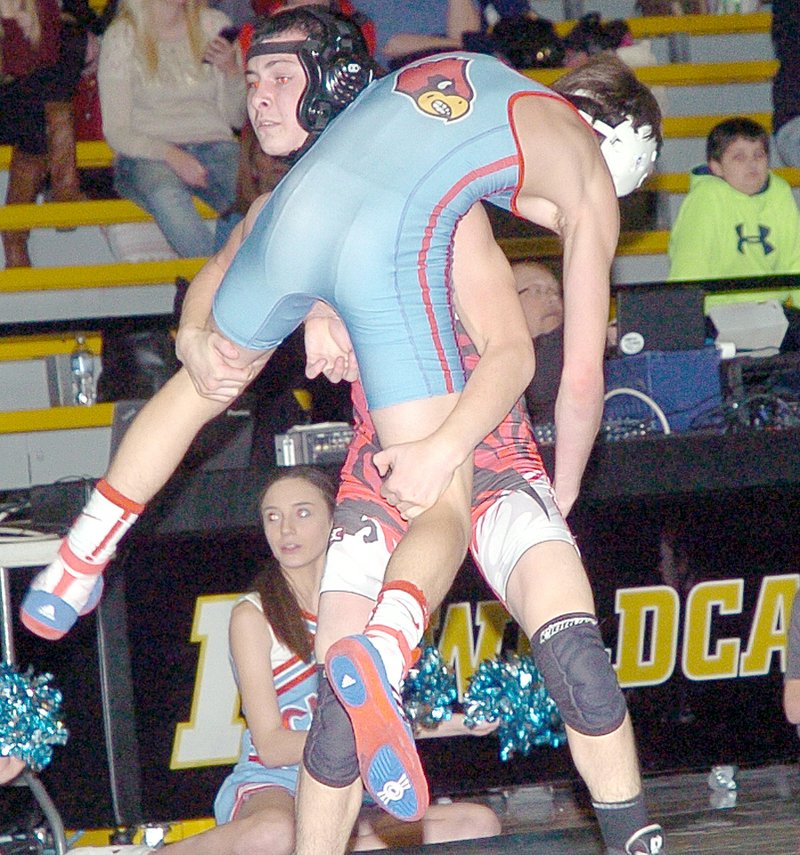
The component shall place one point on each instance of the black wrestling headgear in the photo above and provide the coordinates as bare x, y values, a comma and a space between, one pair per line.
334, 57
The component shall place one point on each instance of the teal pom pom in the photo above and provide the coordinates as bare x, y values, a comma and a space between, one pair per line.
30, 723
429, 690
512, 691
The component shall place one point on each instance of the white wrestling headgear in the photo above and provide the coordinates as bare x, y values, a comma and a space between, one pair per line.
629, 154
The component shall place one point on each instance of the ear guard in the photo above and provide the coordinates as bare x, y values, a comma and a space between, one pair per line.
336, 63
629, 154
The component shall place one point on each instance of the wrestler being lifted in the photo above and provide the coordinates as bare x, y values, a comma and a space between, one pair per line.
378, 216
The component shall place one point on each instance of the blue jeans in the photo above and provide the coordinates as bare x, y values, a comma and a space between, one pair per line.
787, 141
225, 225
152, 185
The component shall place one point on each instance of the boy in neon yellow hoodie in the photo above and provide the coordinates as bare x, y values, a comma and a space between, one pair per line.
738, 219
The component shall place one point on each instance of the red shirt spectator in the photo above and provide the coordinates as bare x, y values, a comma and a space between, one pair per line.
20, 56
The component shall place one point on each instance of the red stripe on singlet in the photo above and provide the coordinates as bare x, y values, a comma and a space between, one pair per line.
422, 256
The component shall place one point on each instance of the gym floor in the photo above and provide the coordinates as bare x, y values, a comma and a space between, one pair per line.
761, 815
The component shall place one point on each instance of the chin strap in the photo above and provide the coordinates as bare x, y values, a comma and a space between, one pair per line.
293, 156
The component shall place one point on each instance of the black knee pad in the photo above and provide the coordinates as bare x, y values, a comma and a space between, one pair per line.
572, 659
330, 750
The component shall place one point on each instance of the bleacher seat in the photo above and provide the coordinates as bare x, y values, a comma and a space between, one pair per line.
684, 129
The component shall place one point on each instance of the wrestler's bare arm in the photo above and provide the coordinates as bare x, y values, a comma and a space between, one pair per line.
219, 369
567, 188
791, 700
487, 302
329, 350
486, 299
485, 296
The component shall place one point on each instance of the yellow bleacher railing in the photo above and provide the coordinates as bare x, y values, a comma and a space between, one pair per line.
39, 279
57, 418
685, 73
630, 243
99, 213
159, 272
103, 212
39, 346
692, 25
677, 127
678, 182
22, 279
90, 155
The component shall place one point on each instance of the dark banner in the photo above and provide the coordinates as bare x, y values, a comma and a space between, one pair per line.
693, 593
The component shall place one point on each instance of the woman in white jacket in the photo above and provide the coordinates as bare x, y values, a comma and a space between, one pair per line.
172, 90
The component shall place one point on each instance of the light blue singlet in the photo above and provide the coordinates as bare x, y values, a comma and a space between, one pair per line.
365, 221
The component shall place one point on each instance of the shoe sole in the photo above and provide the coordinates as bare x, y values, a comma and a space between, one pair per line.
387, 754
36, 600
27, 615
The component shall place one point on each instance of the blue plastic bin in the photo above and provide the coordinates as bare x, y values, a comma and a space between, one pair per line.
684, 383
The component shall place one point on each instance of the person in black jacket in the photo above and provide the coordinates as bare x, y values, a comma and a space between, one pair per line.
78, 52
785, 91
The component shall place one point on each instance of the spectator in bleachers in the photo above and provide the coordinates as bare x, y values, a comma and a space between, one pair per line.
591, 36
240, 12
543, 306
171, 90
405, 28
785, 89
80, 47
30, 32
540, 295
738, 219
791, 684
79, 50
791, 680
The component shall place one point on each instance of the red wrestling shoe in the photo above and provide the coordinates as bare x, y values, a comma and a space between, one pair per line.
387, 753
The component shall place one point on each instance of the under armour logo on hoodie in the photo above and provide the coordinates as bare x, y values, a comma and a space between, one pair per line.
763, 231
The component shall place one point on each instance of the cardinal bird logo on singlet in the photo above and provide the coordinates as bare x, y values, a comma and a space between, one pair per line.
439, 88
